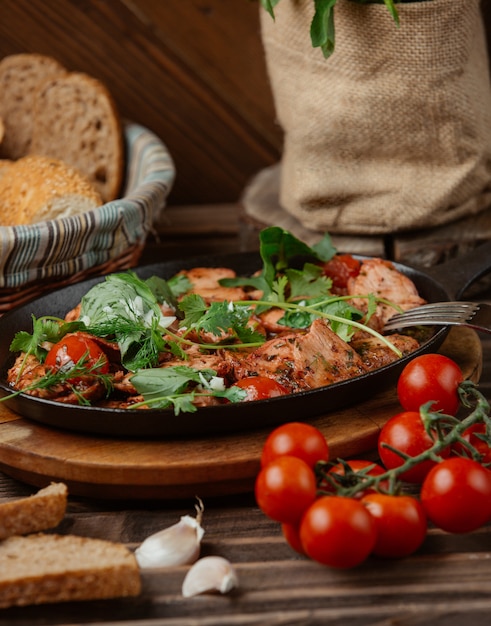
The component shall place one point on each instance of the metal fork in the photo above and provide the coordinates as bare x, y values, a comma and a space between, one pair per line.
472, 314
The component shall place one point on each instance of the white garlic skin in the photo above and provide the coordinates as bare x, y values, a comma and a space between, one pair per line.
211, 573
178, 544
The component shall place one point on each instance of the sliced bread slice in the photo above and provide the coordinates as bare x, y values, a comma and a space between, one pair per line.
39, 188
76, 120
44, 509
21, 75
43, 568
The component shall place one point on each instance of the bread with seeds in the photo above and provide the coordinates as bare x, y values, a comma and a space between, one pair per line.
38, 188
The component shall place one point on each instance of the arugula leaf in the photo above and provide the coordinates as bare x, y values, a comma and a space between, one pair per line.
322, 29
170, 386
279, 249
269, 6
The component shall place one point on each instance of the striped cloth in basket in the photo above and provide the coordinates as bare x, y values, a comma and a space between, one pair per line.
60, 251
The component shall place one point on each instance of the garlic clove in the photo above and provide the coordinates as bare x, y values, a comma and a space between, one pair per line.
178, 544
211, 573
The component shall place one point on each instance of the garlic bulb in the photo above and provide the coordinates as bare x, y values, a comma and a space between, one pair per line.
211, 573
178, 544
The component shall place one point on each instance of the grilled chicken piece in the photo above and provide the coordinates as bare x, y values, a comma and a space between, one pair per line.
381, 278
374, 353
303, 360
269, 320
27, 370
205, 283
322, 357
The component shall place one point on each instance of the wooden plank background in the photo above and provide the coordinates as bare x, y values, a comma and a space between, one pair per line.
190, 70
193, 71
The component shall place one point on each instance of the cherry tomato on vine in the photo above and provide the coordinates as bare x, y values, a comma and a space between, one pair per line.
77, 348
285, 488
261, 388
400, 521
291, 533
456, 495
337, 531
473, 436
430, 377
406, 432
357, 466
295, 439
340, 269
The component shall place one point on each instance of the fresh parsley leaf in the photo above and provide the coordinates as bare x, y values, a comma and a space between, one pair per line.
179, 285
308, 282
220, 317
44, 330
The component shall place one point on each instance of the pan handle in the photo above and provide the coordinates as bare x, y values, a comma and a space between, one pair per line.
457, 275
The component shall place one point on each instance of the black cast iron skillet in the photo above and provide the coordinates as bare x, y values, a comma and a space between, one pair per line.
444, 282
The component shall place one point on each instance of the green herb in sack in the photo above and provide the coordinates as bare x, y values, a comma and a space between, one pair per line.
322, 30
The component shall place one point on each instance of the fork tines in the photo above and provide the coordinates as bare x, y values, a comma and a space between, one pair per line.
439, 312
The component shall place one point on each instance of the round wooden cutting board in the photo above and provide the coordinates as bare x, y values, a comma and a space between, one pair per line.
214, 466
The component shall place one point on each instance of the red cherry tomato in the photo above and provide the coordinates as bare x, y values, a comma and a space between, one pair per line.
291, 533
405, 432
430, 377
340, 269
77, 349
456, 495
295, 439
261, 388
357, 466
285, 488
336, 531
473, 436
400, 522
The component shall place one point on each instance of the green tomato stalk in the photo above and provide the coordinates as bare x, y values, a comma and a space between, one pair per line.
448, 430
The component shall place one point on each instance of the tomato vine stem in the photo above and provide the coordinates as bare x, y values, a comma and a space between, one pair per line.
448, 430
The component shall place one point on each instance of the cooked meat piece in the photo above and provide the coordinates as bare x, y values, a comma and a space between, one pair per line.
303, 360
322, 357
27, 371
382, 279
74, 314
269, 320
274, 359
375, 353
205, 283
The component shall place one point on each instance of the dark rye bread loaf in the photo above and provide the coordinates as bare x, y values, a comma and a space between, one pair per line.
42, 568
21, 75
75, 120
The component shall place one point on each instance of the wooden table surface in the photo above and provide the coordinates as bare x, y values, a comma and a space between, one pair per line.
447, 582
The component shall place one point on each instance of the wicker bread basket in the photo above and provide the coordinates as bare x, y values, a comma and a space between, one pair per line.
52, 254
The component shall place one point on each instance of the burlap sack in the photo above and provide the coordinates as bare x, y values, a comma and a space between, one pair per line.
393, 131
